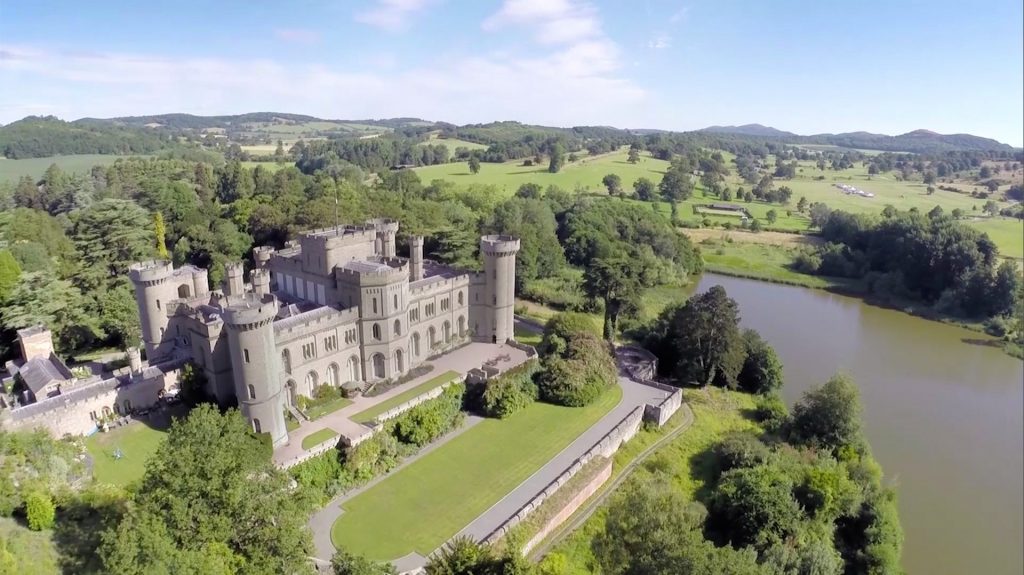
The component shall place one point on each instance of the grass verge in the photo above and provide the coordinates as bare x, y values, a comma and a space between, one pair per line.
423, 505
368, 415
318, 437
318, 410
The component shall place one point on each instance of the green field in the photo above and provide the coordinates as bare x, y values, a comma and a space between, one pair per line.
269, 166
758, 261
12, 170
453, 143
137, 443
585, 173
423, 505
1007, 233
318, 437
527, 337
318, 410
370, 414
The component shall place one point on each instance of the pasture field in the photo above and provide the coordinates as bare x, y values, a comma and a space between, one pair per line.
269, 166
453, 143
1007, 233
12, 170
295, 131
758, 261
585, 173
458, 481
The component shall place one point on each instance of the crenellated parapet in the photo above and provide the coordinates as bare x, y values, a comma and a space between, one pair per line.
150, 273
250, 311
499, 245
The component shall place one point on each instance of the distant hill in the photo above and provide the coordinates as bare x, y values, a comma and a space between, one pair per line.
750, 130
918, 141
39, 137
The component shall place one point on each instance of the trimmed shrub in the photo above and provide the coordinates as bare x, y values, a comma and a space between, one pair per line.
379, 454
430, 419
578, 375
39, 511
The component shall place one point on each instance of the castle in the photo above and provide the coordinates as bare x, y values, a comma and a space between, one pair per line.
333, 307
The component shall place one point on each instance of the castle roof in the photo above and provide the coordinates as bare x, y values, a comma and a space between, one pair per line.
39, 372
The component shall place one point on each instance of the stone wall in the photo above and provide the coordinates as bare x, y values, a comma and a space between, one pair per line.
570, 506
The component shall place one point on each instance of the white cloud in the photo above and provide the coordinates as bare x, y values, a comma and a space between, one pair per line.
553, 21
679, 15
297, 35
391, 15
660, 42
475, 89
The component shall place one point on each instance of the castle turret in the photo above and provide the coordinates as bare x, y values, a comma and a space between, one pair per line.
261, 255
499, 253
134, 360
249, 320
415, 258
153, 292
234, 282
386, 231
260, 279
200, 282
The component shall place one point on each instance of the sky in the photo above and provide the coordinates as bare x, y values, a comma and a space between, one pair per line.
805, 66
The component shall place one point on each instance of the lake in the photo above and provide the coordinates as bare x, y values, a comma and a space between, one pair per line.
944, 416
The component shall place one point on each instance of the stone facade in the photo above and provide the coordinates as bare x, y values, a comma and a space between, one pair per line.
335, 306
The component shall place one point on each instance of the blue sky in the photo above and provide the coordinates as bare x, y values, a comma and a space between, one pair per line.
808, 67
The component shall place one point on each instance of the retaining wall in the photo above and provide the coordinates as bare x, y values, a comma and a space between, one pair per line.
570, 506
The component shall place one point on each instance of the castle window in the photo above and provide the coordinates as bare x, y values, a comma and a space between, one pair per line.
309, 350
495, 297
245, 354
398, 327
414, 314
376, 331
286, 361
331, 343
396, 301
374, 305
157, 304
256, 426
252, 392
460, 298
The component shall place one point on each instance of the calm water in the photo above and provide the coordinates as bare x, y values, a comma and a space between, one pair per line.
944, 417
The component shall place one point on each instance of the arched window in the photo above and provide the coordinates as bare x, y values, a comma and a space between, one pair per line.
184, 291
252, 391
446, 331
462, 326
127, 406
396, 301
311, 383
398, 327
376, 331
256, 426
117, 409
286, 361
292, 397
399, 362
106, 411
415, 344
460, 298
353, 368
378, 365
332, 375
432, 336
374, 305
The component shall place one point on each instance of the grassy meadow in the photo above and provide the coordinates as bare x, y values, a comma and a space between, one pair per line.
460, 480
12, 170
137, 443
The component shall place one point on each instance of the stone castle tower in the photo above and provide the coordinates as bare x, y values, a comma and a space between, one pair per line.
499, 253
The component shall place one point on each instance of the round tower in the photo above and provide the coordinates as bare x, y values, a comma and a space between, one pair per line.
386, 231
152, 293
415, 258
250, 329
499, 254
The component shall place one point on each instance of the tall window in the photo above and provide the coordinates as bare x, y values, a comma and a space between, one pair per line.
396, 301
309, 350
376, 331
286, 361
252, 392
460, 298
256, 426
331, 343
374, 305
398, 327
245, 354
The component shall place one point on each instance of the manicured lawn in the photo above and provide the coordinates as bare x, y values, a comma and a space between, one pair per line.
1007, 233
422, 506
370, 414
319, 410
527, 337
137, 443
318, 437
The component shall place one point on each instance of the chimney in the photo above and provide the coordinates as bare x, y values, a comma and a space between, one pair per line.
134, 359
415, 258
36, 341
260, 279
200, 283
234, 284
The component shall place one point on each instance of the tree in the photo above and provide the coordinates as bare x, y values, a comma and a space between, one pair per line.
762, 369
41, 298
345, 563
557, 158
279, 150
110, 235
577, 374
819, 215
644, 189
754, 506
249, 518
699, 342
633, 156
39, 510
991, 208
828, 416
614, 184
930, 190
801, 206
464, 556
755, 225
772, 216
929, 177
160, 233
936, 213
985, 172
676, 184
474, 164
616, 282
10, 271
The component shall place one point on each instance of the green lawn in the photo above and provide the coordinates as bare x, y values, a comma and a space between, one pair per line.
1007, 233
423, 505
368, 415
452, 143
137, 443
528, 337
318, 410
12, 170
318, 437
758, 261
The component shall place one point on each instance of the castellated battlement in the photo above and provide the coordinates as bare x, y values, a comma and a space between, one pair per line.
498, 245
150, 272
373, 273
384, 225
250, 311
